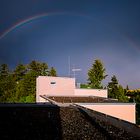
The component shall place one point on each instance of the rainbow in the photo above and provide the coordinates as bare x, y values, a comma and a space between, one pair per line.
32, 18
25, 21
132, 42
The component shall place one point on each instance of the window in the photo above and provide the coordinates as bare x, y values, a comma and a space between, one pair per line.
53, 83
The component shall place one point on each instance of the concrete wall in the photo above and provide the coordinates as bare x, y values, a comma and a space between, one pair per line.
124, 111
54, 86
91, 92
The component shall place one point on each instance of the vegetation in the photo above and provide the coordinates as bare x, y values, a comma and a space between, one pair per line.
84, 86
116, 91
134, 95
96, 74
19, 85
52, 72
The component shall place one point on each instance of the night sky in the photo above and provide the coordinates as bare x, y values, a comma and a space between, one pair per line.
53, 31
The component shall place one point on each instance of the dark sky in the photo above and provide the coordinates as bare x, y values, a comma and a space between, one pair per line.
51, 31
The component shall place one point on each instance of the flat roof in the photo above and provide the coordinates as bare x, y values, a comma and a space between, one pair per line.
82, 99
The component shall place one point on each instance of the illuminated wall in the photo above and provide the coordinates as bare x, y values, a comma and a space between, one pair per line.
54, 86
63, 86
124, 111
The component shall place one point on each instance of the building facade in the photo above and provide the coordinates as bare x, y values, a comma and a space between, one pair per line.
64, 86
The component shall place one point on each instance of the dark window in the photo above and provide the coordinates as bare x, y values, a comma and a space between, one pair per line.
53, 83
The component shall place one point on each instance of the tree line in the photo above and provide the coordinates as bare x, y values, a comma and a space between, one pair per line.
19, 85
97, 73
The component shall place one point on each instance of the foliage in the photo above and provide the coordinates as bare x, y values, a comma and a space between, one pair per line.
127, 87
134, 95
19, 72
52, 72
138, 113
4, 71
7, 84
113, 87
19, 85
96, 74
116, 91
27, 99
84, 86
38, 68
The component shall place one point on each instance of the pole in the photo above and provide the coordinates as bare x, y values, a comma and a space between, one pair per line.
69, 73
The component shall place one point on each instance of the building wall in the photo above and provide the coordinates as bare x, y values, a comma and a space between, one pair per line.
61, 86
54, 86
124, 111
91, 92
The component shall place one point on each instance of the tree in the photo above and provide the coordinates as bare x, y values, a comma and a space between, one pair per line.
9, 89
113, 87
114, 81
121, 94
19, 85
127, 87
7, 84
44, 69
4, 71
115, 90
38, 68
96, 74
26, 88
19, 72
52, 72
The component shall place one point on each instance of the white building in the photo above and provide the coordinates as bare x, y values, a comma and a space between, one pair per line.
64, 86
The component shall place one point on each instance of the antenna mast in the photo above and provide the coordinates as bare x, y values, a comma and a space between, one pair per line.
69, 73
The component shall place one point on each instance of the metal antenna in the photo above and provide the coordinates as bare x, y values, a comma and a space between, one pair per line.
75, 70
69, 73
